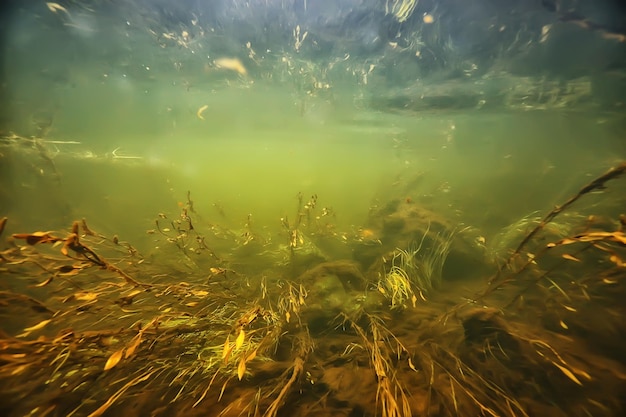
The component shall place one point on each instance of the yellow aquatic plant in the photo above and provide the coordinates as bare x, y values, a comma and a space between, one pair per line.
397, 287
414, 271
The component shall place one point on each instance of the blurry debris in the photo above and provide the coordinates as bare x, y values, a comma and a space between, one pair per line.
231, 64
115, 155
251, 53
545, 31
54, 7
299, 38
187, 38
201, 110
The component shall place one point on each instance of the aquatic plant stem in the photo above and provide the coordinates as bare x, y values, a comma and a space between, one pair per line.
596, 184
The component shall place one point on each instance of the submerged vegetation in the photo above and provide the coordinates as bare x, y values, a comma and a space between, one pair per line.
216, 320
414, 271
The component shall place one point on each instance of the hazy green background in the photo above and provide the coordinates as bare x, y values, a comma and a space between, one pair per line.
484, 125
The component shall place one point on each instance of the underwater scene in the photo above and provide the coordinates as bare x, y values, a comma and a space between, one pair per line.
277, 208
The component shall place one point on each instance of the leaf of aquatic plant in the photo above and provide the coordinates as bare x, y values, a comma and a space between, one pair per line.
133, 346
251, 356
301, 295
37, 326
46, 282
200, 111
19, 369
86, 229
240, 339
66, 269
582, 373
568, 373
114, 359
53, 7
133, 293
559, 288
12, 357
85, 296
565, 241
37, 237
593, 236
617, 261
456, 406
241, 368
3, 222
222, 390
233, 64
228, 348
570, 257
619, 236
